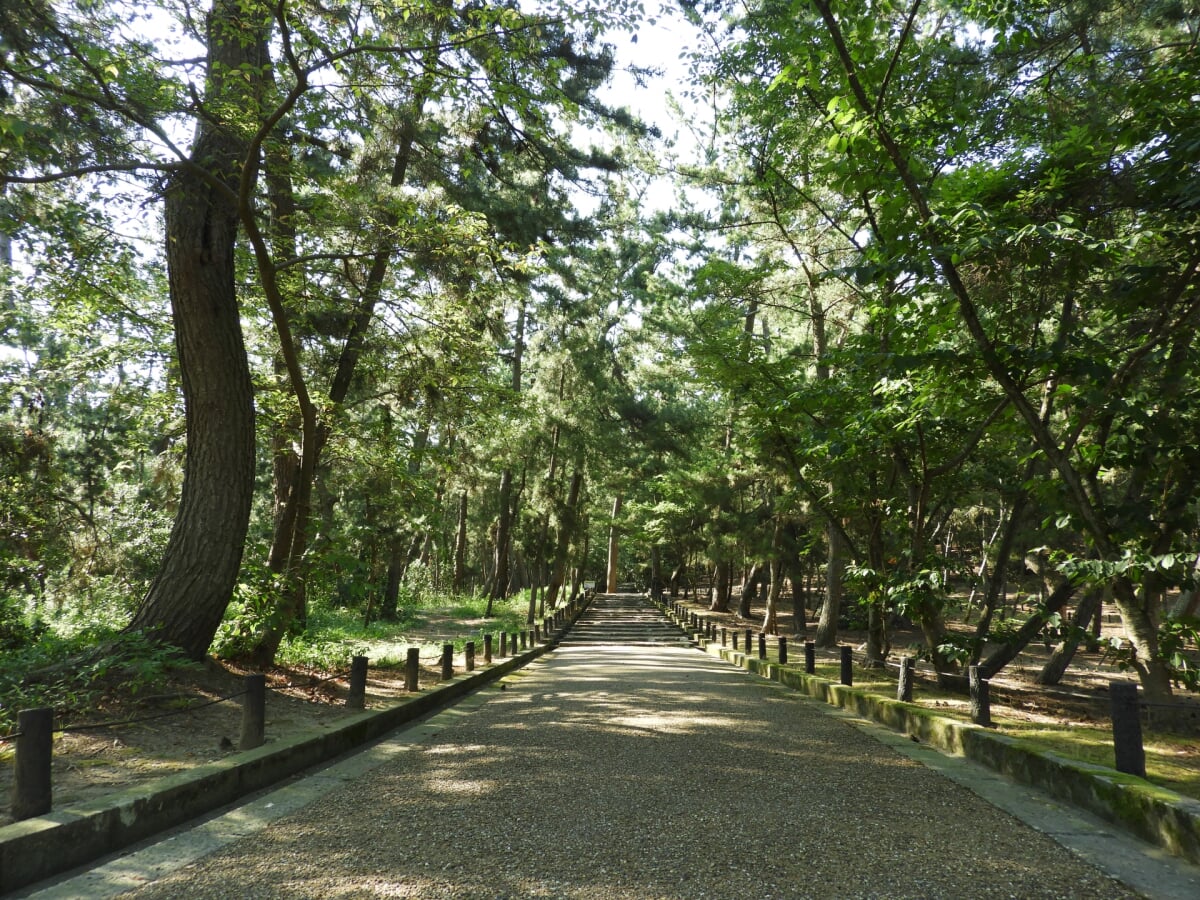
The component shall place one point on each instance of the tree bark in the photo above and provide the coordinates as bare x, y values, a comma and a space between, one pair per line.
720, 587
503, 530
831, 608
750, 590
460, 546
188, 597
1052, 672
613, 546
566, 533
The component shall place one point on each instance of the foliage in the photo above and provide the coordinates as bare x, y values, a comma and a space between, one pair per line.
74, 675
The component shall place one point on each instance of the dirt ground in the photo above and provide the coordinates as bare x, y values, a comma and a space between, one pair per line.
180, 729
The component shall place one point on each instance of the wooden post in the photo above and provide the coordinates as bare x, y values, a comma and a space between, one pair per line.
512, 642
904, 687
783, 651
31, 788
810, 657
724, 637
981, 706
735, 640
254, 712
487, 649
357, 698
749, 640
762, 646
469, 654
447, 662
1127, 728
504, 643
412, 670
537, 636
847, 664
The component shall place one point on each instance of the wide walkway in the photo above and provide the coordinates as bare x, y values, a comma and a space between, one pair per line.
640, 770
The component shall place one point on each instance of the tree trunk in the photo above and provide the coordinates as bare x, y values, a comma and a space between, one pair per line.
188, 597
1089, 607
566, 533
831, 608
1008, 651
613, 546
770, 623
503, 530
750, 590
799, 597
720, 587
460, 546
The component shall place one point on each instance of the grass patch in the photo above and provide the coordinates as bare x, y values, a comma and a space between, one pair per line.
334, 635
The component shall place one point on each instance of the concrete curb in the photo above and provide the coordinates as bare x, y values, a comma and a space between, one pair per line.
44, 846
1157, 815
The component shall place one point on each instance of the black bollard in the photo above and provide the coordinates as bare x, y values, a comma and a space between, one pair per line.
735, 640
980, 705
412, 670
749, 640
904, 687
504, 643
847, 664
762, 646
1127, 728
487, 649
724, 637
254, 712
31, 789
783, 651
810, 657
357, 697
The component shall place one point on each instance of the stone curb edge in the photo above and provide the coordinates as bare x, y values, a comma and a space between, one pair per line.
44, 846
1154, 814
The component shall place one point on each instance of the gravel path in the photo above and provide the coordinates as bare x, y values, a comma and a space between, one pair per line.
644, 772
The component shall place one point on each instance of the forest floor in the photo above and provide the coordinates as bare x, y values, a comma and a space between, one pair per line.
179, 727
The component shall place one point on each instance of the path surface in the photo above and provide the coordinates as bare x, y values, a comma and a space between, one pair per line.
640, 769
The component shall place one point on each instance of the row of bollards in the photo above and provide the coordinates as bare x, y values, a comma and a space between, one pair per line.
1128, 747
33, 741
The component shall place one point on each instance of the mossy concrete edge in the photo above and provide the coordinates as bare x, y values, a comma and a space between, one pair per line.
44, 846
1157, 815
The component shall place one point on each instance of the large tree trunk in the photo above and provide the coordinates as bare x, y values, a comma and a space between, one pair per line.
566, 533
831, 608
720, 587
503, 531
614, 546
750, 590
188, 597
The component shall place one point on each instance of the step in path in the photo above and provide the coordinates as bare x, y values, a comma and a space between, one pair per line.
621, 771
624, 619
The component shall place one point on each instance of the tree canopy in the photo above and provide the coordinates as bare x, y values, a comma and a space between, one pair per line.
310, 304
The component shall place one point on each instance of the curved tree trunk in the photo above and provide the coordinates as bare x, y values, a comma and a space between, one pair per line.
1089, 607
188, 597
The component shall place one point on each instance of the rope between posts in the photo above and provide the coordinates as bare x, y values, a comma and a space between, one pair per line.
98, 726
4, 738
